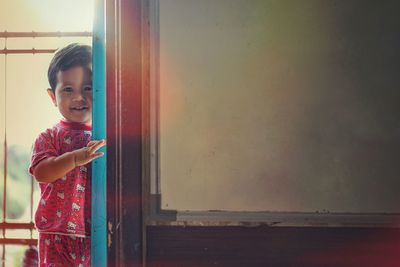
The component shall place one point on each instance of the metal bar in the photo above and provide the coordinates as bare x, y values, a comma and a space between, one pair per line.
18, 241
27, 51
7, 225
5, 179
32, 191
33, 34
5, 158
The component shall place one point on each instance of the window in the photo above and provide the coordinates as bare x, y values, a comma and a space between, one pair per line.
272, 112
193, 234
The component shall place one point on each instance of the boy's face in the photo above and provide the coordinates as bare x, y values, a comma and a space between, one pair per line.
73, 94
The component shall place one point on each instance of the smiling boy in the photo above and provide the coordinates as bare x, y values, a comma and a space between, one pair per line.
60, 162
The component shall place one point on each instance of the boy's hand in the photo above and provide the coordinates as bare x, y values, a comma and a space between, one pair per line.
87, 154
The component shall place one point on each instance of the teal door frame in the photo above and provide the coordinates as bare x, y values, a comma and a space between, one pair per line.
99, 166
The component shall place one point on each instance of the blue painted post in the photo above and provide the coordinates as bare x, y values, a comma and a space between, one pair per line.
99, 171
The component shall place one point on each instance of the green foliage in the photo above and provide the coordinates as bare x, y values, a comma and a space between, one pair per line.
18, 198
18, 162
18, 181
18, 256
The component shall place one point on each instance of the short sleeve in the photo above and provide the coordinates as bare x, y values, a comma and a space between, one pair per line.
43, 147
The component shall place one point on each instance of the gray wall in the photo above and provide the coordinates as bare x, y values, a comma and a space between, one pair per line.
280, 105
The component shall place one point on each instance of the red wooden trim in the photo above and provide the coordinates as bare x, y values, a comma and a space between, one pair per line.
18, 241
32, 34
6, 51
7, 225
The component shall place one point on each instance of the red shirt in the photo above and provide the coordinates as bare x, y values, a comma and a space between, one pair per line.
65, 205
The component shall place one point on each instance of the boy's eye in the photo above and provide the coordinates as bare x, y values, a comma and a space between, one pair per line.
87, 88
68, 89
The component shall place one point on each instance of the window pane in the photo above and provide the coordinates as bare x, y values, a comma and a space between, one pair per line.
279, 106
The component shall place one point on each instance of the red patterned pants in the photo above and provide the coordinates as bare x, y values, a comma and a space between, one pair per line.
62, 250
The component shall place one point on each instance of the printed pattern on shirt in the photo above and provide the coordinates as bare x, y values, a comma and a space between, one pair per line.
65, 204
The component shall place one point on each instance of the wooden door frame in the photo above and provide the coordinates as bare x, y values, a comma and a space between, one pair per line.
124, 132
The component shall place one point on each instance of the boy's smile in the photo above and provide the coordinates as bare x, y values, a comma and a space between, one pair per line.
73, 94
79, 109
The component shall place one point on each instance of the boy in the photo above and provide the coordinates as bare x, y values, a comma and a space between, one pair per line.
60, 162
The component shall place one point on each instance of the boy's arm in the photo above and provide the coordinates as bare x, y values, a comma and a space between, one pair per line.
54, 168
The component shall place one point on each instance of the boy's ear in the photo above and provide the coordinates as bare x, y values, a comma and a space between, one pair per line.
52, 96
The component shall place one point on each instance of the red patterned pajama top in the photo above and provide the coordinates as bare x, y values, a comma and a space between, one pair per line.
64, 206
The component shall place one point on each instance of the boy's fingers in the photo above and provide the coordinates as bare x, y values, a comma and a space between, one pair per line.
100, 144
94, 142
91, 143
96, 146
97, 155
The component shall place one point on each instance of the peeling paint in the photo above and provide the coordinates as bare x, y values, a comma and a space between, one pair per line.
109, 234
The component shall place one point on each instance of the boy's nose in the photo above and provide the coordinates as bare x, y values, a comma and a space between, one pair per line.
78, 96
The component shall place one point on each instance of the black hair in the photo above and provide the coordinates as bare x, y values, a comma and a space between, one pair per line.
70, 56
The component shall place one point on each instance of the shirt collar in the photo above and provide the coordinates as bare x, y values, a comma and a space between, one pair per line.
75, 125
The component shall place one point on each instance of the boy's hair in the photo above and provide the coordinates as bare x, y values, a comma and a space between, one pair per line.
68, 57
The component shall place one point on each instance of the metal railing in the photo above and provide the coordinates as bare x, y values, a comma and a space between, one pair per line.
4, 224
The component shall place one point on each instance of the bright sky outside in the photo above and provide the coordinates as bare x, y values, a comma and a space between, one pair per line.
23, 82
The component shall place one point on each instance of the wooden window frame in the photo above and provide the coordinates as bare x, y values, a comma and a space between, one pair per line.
140, 233
158, 216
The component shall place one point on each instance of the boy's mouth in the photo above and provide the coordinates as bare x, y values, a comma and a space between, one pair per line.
81, 108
